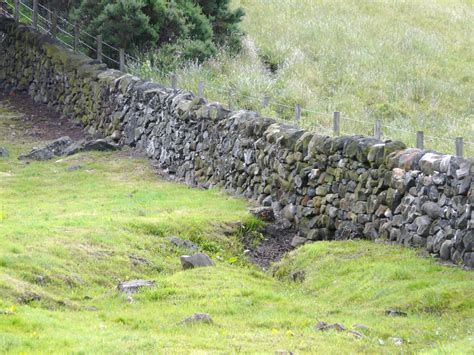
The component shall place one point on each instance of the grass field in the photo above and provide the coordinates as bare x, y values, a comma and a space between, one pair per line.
409, 64
67, 238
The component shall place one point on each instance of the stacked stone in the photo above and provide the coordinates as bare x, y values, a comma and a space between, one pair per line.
331, 188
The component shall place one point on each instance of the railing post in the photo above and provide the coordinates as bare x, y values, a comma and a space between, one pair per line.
174, 81
122, 59
460, 147
297, 113
17, 11
201, 89
266, 101
337, 123
378, 130
99, 48
76, 37
420, 140
54, 25
35, 14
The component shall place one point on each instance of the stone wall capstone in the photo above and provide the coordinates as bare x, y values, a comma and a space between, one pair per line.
330, 188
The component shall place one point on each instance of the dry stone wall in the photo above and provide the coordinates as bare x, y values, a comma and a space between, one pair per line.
330, 188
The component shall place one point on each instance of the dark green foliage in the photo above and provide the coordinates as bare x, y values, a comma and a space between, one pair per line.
174, 30
225, 23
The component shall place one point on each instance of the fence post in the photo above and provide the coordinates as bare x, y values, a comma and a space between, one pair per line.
231, 107
54, 25
35, 14
378, 130
420, 140
337, 123
76, 37
297, 113
460, 147
122, 59
201, 89
99, 48
266, 101
174, 81
17, 11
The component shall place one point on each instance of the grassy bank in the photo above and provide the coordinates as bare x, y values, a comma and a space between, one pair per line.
69, 235
408, 64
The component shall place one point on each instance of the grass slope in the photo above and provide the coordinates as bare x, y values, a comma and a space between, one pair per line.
408, 64
68, 237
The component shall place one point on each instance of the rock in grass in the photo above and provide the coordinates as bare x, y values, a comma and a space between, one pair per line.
133, 286
4, 152
263, 213
55, 148
396, 341
323, 326
395, 313
197, 318
356, 334
196, 260
59, 146
182, 243
99, 145
37, 154
298, 241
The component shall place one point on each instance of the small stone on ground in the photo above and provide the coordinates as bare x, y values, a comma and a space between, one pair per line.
4, 152
197, 318
133, 286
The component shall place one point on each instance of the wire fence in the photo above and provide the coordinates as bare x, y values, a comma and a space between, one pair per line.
33, 13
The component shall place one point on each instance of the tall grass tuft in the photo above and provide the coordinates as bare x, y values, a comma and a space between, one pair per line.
408, 64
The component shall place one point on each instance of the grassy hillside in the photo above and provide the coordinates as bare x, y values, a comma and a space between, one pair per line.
69, 235
409, 64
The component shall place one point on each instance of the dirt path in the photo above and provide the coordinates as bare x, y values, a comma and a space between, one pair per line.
39, 121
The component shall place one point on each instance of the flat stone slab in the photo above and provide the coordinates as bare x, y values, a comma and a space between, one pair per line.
196, 260
133, 286
99, 145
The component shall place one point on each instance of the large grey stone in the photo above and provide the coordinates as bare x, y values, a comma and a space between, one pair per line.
196, 260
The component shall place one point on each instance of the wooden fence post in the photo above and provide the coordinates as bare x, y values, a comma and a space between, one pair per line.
337, 123
231, 106
201, 89
17, 11
174, 81
99, 48
460, 147
420, 140
76, 38
122, 59
297, 113
54, 25
266, 101
35, 14
378, 130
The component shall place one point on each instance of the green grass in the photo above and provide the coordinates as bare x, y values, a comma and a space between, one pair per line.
408, 64
68, 237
